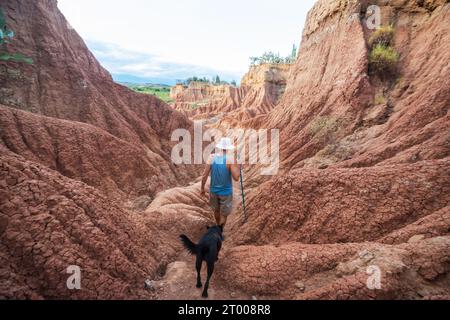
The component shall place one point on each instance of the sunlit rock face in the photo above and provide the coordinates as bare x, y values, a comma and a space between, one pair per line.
365, 165
260, 90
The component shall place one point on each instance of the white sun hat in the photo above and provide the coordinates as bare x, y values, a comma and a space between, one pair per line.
225, 144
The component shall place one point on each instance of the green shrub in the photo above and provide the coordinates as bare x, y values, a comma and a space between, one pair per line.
383, 60
336, 151
274, 58
379, 99
16, 57
382, 36
324, 125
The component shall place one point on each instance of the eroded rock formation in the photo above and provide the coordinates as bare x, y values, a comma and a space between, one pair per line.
363, 188
331, 120
74, 148
332, 114
66, 82
260, 90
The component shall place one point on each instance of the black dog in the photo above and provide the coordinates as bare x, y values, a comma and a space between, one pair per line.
208, 250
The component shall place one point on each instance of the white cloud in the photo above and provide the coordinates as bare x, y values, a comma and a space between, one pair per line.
205, 35
120, 61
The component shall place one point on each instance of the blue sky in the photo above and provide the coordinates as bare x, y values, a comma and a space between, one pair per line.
165, 40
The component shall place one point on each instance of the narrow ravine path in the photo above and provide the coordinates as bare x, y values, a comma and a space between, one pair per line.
178, 282
179, 279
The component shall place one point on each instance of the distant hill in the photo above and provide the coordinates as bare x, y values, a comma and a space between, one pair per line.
126, 78
162, 91
134, 84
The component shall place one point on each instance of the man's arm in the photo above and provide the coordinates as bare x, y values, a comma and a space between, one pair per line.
235, 171
205, 178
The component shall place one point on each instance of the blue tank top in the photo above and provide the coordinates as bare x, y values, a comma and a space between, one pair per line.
221, 184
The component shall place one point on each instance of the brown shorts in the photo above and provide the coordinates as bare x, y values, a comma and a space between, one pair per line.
224, 203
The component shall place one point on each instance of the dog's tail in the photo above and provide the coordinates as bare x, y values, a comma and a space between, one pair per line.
188, 244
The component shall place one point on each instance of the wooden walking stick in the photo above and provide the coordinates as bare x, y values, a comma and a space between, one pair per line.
243, 197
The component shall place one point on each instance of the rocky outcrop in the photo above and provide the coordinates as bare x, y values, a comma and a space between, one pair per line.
201, 91
49, 222
123, 146
322, 234
260, 90
345, 205
335, 113
265, 85
201, 100
86, 153
74, 147
66, 82
365, 165
342, 271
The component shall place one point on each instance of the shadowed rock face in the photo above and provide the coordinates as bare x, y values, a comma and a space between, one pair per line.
329, 118
49, 222
74, 146
123, 149
87, 153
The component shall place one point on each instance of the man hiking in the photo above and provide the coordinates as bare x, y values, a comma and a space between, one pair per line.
221, 187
